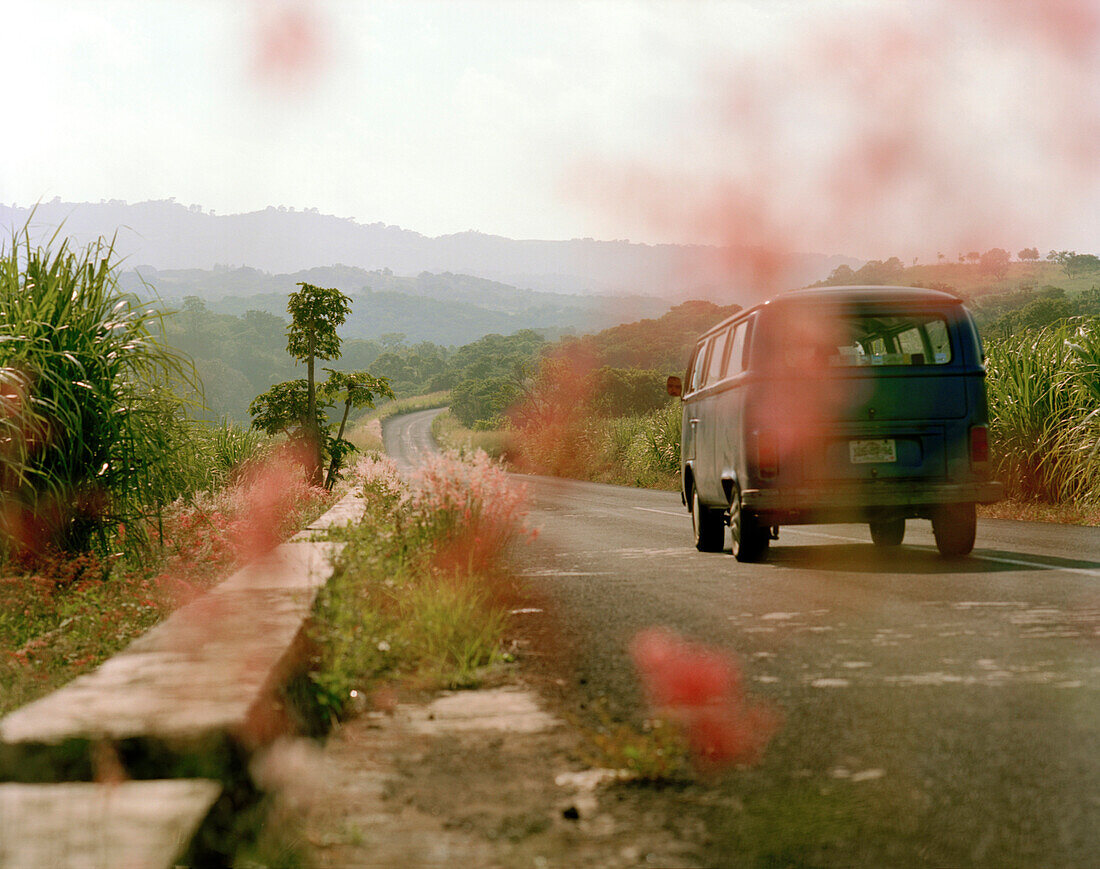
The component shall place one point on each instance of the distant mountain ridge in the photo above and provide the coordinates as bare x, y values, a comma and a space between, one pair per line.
167, 235
445, 308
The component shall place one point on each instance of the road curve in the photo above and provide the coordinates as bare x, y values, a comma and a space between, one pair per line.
408, 438
936, 712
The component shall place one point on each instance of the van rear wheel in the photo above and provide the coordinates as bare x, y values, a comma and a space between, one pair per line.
750, 539
888, 532
954, 526
707, 525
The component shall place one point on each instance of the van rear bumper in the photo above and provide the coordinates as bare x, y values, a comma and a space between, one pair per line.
803, 504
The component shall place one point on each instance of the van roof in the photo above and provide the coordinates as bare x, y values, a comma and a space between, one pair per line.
872, 293
851, 294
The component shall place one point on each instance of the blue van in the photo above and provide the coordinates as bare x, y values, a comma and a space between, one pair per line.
837, 404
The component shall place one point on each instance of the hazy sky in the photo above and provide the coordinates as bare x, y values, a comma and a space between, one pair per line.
839, 126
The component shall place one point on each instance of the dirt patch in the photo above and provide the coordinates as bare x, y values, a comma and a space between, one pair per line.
399, 793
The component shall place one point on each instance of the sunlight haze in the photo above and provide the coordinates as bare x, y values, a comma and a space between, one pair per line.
715, 122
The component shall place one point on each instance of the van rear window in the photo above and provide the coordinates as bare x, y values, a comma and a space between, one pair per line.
866, 338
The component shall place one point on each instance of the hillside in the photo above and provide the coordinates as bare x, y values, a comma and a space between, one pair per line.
446, 309
167, 235
969, 280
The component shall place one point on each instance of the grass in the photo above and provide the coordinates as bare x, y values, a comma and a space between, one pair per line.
451, 434
655, 753
641, 451
1034, 511
635, 450
421, 595
1044, 405
62, 614
91, 424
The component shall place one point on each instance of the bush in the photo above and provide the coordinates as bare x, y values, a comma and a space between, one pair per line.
91, 425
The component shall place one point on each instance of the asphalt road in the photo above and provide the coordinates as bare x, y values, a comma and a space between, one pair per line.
941, 713
408, 437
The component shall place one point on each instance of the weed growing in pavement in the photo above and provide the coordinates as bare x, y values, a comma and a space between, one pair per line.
655, 753
420, 591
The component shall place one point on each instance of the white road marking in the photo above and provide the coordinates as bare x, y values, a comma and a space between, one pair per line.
1023, 563
1019, 562
663, 512
829, 536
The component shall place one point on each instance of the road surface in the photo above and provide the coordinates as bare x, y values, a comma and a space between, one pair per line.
408, 437
935, 712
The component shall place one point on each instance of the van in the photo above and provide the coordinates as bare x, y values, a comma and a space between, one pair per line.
837, 404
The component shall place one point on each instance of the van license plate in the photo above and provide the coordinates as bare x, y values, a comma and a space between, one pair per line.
867, 452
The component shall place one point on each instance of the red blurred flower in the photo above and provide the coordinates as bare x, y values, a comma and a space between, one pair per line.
700, 689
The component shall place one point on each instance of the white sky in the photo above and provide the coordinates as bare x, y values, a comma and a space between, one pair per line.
557, 119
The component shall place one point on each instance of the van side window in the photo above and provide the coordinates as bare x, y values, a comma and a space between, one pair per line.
697, 368
737, 349
717, 357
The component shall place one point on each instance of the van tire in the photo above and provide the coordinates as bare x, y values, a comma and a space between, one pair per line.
749, 539
888, 532
954, 526
707, 525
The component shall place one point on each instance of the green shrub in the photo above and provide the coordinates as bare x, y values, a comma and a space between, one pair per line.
91, 423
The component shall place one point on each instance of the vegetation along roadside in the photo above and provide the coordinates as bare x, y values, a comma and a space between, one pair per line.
422, 594
115, 505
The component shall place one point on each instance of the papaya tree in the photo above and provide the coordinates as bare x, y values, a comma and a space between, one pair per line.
283, 409
316, 313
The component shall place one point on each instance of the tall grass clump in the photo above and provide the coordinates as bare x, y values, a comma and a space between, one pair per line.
90, 421
420, 593
645, 449
1044, 407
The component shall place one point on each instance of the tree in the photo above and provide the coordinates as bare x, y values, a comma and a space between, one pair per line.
841, 276
315, 314
296, 407
973, 256
1081, 264
1028, 254
1074, 263
996, 261
283, 409
357, 389
479, 402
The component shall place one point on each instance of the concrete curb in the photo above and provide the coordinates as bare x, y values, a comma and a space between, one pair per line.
180, 712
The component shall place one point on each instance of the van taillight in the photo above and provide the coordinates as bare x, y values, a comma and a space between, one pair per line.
767, 455
979, 444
